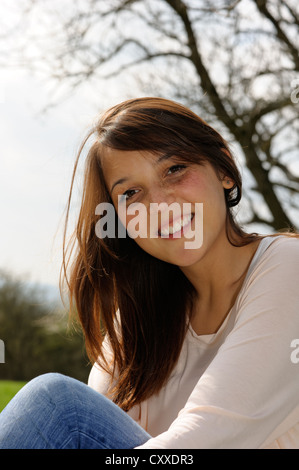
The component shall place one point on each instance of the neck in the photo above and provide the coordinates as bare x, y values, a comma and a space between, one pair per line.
219, 265
217, 278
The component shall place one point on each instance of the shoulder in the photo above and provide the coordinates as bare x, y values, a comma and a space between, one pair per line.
270, 290
284, 243
278, 251
274, 271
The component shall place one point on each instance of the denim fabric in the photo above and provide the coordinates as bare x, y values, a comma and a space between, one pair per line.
57, 412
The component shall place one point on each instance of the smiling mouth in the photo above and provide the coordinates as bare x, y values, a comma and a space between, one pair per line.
169, 231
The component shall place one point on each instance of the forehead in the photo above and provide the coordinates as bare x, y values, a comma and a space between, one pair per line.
123, 163
114, 154
114, 159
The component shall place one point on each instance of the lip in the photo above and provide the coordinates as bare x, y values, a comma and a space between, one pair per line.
178, 233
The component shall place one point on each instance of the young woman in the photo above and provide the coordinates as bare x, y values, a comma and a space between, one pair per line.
198, 348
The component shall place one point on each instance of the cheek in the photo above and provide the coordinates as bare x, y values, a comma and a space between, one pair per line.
201, 187
194, 186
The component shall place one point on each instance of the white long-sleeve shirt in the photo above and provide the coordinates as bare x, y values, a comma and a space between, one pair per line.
239, 387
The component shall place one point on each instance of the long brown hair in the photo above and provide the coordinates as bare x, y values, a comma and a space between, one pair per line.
140, 303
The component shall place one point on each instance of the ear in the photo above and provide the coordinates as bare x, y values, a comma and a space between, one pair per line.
227, 182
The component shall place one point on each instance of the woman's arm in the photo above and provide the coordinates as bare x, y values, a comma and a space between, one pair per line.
99, 379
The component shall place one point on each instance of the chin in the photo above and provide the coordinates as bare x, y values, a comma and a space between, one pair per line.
173, 253
185, 259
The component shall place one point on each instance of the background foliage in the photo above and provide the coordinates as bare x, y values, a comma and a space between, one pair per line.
36, 334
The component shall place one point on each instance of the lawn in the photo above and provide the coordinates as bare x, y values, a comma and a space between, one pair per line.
8, 389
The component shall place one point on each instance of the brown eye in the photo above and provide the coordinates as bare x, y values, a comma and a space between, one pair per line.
129, 193
175, 169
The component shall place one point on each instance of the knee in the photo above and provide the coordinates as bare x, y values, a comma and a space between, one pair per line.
47, 380
43, 408
47, 386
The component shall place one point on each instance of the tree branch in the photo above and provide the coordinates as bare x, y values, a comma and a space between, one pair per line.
269, 108
207, 84
262, 7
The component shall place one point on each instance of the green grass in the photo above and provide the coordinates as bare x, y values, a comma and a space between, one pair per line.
8, 389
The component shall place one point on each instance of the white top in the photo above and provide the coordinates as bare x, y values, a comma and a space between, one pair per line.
239, 387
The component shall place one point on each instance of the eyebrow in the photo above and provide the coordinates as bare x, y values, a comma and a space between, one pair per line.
120, 181
162, 158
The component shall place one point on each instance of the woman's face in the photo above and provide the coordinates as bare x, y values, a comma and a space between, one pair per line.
175, 210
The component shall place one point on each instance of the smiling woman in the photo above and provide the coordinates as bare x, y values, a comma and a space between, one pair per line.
151, 151
187, 341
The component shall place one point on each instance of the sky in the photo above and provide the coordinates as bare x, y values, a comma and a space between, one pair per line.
39, 144
37, 154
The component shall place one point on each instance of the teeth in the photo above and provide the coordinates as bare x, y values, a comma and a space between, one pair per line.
176, 227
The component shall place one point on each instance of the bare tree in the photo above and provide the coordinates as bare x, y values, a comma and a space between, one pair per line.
235, 62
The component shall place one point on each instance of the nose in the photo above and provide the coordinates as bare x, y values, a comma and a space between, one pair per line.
161, 200
161, 194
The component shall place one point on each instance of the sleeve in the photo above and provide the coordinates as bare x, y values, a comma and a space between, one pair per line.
99, 379
252, 385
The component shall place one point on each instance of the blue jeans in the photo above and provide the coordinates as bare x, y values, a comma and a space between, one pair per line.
57, 412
